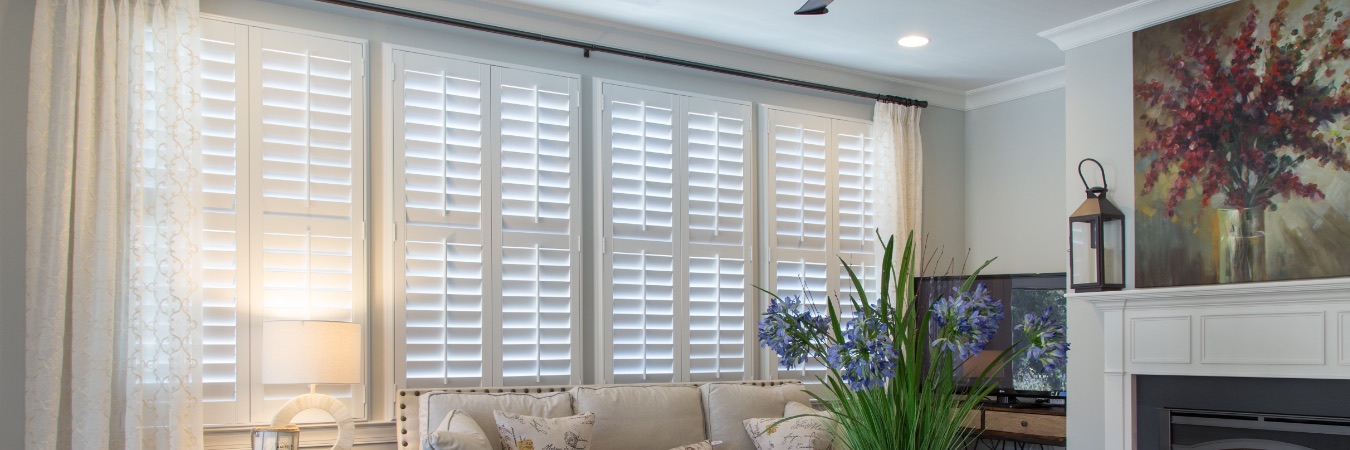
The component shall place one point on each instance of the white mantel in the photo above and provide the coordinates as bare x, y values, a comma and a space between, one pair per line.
1288, 329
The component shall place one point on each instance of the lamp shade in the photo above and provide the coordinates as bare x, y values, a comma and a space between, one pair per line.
311, 352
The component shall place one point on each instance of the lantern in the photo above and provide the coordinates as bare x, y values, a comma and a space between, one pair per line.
1096, 240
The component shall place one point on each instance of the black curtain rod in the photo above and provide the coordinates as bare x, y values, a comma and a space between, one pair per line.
588, 48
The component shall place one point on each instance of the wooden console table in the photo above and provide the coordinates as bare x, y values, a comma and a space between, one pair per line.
997, 426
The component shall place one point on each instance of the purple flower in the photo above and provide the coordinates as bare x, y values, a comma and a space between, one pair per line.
1046, 339
867, 357
965, 322
781, 321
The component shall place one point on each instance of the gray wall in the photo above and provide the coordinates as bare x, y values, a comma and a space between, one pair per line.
1014, 185
944, 187
16, 29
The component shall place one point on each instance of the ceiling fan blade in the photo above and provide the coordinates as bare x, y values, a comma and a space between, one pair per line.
814, 7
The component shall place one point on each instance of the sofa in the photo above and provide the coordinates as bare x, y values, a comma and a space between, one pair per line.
627, 417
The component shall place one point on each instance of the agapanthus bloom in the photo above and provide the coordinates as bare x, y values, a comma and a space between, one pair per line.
964, 322
784, 317
866, 358
1046, 341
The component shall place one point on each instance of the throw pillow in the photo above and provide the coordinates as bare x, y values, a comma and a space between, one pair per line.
457, 431
537, 433
812, 431
705, 445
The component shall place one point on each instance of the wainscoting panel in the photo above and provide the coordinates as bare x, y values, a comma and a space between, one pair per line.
1343, 339
1265, 339
1160, 340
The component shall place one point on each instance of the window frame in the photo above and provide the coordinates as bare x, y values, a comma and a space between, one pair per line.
250, 405
767, 247
393, 226
602, 229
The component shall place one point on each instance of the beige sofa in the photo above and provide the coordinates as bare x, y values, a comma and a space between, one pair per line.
627, 417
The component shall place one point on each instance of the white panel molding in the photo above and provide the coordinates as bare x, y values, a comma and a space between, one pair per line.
1026, 86
591, 30
1265, 330
1263, 339
1125, 19
1150, 338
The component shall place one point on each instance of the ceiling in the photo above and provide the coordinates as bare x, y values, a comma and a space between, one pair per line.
975, 43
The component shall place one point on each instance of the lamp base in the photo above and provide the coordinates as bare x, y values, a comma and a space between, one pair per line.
343, 416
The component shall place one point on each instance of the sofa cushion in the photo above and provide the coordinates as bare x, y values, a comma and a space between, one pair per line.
727, 405
642, 417
480, 406
520, 432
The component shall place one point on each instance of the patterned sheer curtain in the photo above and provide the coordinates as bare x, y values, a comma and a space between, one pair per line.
897, 171
113, 305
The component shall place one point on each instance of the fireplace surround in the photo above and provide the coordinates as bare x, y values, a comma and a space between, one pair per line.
1290, 330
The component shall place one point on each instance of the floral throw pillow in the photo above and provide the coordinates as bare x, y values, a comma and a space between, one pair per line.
807, 432
537, 433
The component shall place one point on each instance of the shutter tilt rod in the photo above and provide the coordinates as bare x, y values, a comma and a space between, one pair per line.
587, 48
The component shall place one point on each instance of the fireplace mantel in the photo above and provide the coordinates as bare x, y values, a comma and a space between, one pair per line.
1287, 329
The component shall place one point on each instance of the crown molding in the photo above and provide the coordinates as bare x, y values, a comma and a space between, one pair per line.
1016, 88
587, 29
1125, 19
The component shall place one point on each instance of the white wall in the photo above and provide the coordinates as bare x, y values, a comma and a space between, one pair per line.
1014, 165
1100, 125
16, 28
944, 181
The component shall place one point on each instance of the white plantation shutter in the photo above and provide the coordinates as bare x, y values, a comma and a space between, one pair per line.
440, 133
537, 226
308, 192
675, 271
486, 206
225, 269
283, 165
818, 180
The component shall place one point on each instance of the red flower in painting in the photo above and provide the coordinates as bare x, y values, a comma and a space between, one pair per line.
1243, 111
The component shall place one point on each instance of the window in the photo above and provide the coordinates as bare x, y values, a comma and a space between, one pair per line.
818, 201
676, 269
284, 233
486, 210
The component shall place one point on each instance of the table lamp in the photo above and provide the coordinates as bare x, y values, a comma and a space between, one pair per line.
313, 352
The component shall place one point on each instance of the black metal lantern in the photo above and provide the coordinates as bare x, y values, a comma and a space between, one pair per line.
1096, 240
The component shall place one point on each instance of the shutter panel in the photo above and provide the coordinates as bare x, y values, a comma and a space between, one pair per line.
717, 244
308, 198
225, 243
442, 182
537, 226
857, 233
643, 264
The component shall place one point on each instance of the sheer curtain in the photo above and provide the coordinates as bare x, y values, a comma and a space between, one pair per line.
897, 172
113, 201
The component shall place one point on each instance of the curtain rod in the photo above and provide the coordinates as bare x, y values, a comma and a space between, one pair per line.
589, 47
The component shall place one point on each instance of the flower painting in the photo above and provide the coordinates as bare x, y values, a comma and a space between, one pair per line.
1242, 144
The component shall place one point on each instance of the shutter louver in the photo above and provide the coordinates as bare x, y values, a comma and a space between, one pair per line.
677, 299
857, 233
308, 199
538, 231
440, 160
225, 242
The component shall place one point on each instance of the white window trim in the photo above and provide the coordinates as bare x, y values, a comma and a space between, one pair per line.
603, 347
249, 400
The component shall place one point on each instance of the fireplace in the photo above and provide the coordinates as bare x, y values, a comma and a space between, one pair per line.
1241, 366
1213, 413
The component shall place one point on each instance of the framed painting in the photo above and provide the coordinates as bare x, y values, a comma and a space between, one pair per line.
1242, 144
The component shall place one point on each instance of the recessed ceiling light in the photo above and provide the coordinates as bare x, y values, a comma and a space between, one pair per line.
913, 41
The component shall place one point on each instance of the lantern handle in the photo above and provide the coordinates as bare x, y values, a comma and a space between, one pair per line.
1099, 167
